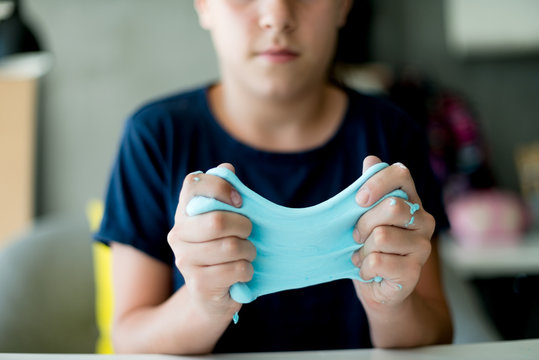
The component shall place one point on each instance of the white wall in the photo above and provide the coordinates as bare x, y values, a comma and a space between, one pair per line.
110, 56
506, 27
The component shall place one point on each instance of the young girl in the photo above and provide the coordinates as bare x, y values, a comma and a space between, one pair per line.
292, 136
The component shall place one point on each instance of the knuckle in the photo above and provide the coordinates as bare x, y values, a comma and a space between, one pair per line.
241, 267
173, 236
425, 247
394, 208
373, 261
191, 178
401, 169
380, 236
245, 270
431, 223
216, 221
175, 239
230, 246
181, 259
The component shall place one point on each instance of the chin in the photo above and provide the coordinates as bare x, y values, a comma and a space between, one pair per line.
280, 91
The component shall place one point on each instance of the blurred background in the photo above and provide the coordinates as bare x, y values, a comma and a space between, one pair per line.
467, 69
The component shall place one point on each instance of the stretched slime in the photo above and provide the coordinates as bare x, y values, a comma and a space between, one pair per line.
296, 247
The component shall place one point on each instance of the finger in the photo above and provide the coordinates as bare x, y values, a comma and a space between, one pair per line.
399, 269
395, 241
396, 176
206, 279
215, 252
370, 161
212, 225
209, 186
363, 194
229, 166
393, 211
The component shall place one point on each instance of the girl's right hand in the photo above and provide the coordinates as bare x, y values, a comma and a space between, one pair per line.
211, 249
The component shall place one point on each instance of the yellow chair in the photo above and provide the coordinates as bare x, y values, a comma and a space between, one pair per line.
103, 281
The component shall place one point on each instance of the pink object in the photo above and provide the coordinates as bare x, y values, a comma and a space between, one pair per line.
487, 217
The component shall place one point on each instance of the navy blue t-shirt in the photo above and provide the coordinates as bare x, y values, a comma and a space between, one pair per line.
172, 137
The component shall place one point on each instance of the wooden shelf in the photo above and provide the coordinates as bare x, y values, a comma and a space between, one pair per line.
17, 147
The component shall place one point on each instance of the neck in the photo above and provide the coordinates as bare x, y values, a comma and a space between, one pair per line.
279, 124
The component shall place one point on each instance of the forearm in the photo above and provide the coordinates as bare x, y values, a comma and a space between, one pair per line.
417, 321
177, 326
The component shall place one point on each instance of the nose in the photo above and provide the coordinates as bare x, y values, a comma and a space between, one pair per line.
277, 15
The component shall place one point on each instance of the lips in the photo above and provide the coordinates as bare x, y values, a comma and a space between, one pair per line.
279, 55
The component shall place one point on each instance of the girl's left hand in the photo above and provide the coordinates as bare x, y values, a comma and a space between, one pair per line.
396, 243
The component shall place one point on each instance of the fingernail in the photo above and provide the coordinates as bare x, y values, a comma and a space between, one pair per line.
362, 196
236, 198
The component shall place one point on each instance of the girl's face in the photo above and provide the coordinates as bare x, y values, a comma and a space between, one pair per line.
274, 47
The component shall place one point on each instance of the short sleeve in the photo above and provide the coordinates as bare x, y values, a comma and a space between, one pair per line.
136, 200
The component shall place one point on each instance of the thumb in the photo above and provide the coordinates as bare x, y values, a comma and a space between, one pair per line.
228, 166
370, 161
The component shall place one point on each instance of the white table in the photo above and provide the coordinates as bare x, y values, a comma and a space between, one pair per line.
505, 350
